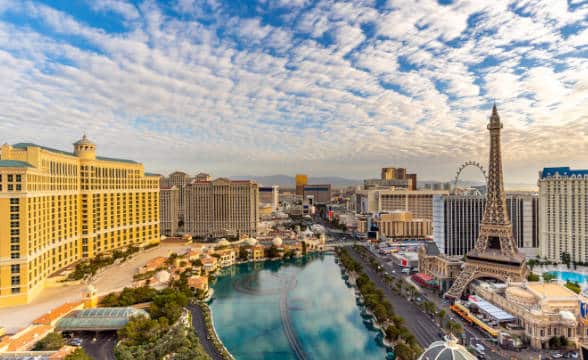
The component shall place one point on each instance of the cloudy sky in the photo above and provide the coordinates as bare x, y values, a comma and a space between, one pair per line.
323, 87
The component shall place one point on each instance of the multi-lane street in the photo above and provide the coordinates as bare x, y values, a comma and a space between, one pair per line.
421, 325
418, 322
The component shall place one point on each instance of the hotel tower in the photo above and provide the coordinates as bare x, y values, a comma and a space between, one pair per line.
58, 207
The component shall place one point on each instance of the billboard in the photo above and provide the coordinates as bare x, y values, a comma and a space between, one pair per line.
584, 312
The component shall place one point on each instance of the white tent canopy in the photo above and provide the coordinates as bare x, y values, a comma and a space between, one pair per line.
490, 309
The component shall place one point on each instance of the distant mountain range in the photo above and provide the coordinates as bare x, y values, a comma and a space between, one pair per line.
287, 181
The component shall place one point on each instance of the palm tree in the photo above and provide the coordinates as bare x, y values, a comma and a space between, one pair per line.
441, 315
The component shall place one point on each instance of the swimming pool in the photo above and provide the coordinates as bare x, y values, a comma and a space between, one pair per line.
572, 276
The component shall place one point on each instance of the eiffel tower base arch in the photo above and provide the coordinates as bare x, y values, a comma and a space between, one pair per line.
474, 269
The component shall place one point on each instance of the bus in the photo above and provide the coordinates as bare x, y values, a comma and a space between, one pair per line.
465, 314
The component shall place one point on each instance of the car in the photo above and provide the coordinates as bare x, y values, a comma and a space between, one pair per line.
76, 342
556, 355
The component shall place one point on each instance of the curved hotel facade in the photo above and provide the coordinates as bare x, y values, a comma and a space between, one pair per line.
57, 208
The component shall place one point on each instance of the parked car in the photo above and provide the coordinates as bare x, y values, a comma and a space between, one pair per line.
76, 342
556, 355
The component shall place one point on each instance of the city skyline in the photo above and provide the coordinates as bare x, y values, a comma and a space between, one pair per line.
317, 87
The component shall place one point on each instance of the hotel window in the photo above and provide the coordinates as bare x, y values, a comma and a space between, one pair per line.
10, 177
18, 178
15, 268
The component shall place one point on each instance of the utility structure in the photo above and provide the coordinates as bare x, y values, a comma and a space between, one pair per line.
495, 254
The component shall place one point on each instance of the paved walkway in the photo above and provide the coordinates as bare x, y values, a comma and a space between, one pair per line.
199, 325
114, 277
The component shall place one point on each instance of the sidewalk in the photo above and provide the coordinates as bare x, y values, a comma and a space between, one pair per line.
114, 277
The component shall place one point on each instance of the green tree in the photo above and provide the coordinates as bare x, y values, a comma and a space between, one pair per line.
454, 327
52, 341
403, 352
554, 342
441, 315
565, 258
78, 354
547, 277
532, 277
574, 286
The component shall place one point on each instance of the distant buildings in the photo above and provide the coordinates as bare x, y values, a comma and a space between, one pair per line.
392, 177
202, 177
221, 207
456, 221
269, 195
59, 207
179, 179
169, 210
563, 200
301, 180
401, 225
317, 194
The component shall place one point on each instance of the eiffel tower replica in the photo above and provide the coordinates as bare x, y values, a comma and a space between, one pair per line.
495, 254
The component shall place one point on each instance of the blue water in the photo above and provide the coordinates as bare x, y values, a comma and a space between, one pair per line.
571, 276
257, 305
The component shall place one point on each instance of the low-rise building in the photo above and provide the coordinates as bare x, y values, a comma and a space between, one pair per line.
226, 257
442, 267
544, 310
209, 264
198, 283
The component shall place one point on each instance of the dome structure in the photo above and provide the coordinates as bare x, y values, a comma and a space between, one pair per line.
223, 242
162, 276
251, 241
85, 149
277, 241
448, 349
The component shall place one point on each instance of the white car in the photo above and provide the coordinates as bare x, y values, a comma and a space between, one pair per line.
556, 355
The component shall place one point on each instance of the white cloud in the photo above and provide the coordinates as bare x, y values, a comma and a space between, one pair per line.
268, 99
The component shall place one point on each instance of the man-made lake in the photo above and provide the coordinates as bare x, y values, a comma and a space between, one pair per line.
291, 309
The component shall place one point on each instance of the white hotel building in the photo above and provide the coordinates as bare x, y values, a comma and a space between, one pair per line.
563, 218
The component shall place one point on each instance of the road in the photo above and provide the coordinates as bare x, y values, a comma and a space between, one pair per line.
100, 349
420, 324
199, 325
472, 334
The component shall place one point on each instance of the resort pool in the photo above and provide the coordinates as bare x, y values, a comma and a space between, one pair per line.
572, 276
291, 309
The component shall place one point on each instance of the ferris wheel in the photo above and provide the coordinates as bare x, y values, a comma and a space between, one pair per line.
465, 165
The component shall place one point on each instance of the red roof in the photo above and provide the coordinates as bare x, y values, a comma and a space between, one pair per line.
423, 277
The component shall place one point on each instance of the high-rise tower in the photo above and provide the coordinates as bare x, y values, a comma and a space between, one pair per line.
495, 254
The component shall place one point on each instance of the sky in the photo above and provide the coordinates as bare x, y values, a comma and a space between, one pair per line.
323, 87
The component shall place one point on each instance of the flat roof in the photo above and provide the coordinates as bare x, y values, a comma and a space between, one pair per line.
14, 163
104, 158
551, 289
490, 309
108, 318
562, 171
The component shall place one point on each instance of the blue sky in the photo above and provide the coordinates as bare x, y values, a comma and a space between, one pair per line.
284, 86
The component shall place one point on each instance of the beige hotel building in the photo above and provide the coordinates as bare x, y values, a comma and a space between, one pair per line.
58, 207
221, 207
